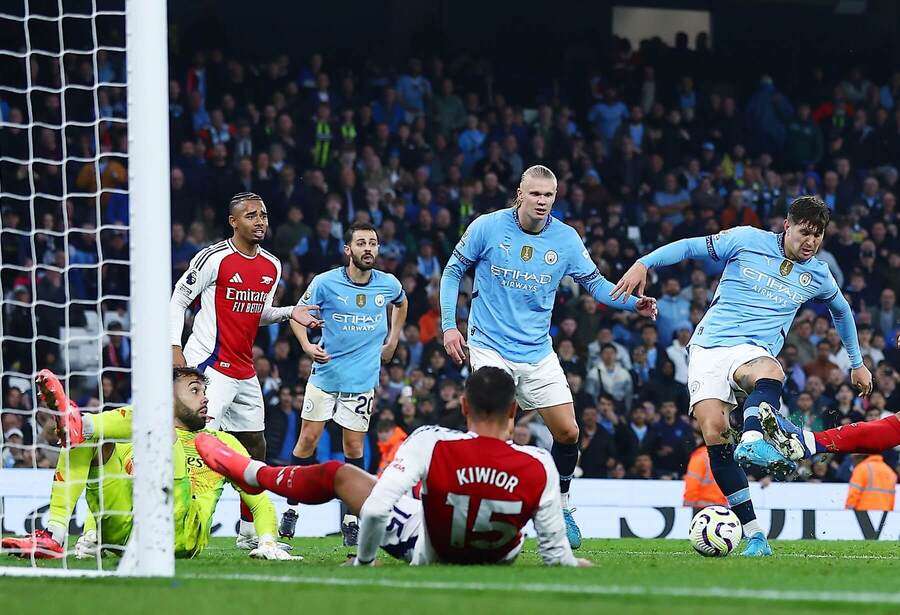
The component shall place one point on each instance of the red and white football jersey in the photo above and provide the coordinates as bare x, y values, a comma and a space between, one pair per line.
477, 495
236, 294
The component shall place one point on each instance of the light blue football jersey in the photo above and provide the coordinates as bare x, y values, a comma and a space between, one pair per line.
517, 274
760, 290
356, 325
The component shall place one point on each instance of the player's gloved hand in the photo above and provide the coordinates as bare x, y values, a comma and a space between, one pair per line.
454, 345
861, 378
584, 563
646, 307
301, 314
86, 546
632, 283
268, 549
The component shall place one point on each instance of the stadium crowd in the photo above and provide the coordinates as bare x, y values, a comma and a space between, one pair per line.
419, 150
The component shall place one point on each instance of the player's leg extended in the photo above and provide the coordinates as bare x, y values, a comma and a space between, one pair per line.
762, 378
712, 416
73, 469
315, 484
560, 420
862, 437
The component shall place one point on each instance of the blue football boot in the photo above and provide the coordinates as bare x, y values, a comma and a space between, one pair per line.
572, 531
757, 546
762, 454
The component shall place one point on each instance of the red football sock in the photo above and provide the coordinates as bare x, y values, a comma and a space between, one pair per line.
303, 484
246, 513
863, 437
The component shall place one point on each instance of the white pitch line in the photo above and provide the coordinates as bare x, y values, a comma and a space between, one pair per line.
605, 590
776, 556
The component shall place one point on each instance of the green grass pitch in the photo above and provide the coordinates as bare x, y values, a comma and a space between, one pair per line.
629, 576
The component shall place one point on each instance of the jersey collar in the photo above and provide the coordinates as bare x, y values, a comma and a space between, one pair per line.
515, 215
234, 248
347, 277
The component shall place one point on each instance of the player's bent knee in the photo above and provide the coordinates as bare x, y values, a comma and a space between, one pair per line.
567, 435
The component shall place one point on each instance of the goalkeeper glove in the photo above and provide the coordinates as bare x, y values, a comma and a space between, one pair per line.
268, 549
86, 546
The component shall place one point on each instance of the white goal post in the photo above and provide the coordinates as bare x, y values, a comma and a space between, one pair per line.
143, 44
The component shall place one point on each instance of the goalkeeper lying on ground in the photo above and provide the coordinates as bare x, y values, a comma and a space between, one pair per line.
90, 463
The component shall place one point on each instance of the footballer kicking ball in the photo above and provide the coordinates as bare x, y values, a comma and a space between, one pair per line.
715, 531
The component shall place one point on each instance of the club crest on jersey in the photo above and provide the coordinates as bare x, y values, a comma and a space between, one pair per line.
526, 253
360, 300
379, 300
266, 279
551, 257
805, 278
786, 267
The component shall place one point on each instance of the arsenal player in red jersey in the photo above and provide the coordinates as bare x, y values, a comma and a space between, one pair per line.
478, 490
235, 281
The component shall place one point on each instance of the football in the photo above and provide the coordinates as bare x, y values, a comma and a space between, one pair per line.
715, 531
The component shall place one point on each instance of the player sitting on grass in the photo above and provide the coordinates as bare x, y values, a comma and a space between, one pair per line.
89, 463
478, 491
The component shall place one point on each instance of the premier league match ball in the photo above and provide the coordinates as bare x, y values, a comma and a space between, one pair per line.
715, 531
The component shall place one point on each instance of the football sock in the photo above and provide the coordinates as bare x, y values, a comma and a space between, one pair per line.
359, 463
69, 481
300, 461
733, 483
864, 437
766, 390
303, 484
565, 456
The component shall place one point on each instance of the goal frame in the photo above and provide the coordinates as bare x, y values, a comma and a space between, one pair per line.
151, 549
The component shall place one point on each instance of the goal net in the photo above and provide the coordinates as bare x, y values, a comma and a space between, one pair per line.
85, 275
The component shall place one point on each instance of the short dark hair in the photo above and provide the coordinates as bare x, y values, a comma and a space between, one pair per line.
188, 372
358, 226
810, 210
489, 391
240, 197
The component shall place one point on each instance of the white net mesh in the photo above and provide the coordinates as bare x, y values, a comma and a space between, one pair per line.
65, 248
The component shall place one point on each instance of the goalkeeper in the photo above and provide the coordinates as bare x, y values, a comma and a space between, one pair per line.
101, 469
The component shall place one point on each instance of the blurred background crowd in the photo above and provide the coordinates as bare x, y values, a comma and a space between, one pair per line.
651, 142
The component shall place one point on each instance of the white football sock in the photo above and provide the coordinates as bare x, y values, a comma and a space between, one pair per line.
565, 499
752, 528
751, 436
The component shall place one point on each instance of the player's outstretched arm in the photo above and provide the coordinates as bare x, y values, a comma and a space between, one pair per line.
550, 527
842, 315
634, 280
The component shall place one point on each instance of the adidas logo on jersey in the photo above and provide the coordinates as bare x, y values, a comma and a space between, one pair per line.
236, 279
